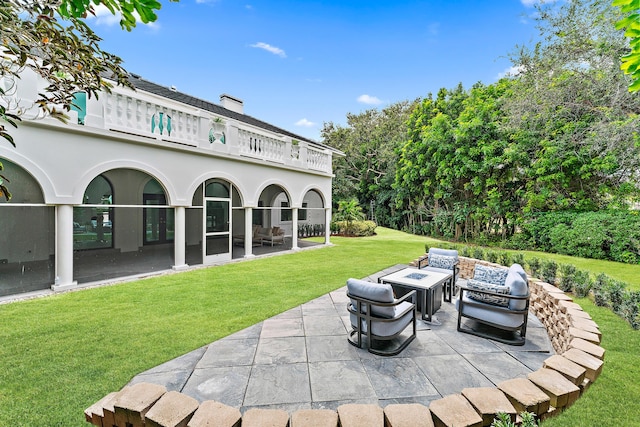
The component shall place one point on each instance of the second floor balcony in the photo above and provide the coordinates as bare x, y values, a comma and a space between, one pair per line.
155, 113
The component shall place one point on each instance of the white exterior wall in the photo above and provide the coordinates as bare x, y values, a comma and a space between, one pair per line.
64, 158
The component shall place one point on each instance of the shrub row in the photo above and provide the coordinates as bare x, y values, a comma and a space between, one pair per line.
610, 235
603, 289
354, 228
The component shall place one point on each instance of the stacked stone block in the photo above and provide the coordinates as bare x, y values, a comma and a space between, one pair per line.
545, 392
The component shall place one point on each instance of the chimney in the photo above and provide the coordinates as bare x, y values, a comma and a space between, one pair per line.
231, 103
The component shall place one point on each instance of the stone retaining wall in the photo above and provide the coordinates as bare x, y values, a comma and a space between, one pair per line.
545, 392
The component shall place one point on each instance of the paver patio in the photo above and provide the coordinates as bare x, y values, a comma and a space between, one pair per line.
300, 359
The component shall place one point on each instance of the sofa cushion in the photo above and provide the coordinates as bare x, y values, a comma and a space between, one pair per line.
518, 287
442, 261
373, 291
495, 275
502, 318
518, 269
491, 287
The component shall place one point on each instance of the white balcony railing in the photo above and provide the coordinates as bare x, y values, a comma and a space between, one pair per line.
156, 118
127, 114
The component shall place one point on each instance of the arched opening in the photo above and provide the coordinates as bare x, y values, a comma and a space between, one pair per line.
27, 227
215, 214
93, 223
274, 209
123, 227
311, 217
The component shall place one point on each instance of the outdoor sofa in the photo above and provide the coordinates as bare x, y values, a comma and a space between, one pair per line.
497, 298
273, 235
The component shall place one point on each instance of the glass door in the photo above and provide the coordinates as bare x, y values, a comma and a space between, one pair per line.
217, 222
158, 222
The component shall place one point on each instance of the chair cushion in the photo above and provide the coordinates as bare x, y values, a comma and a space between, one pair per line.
436, 270
387, 329
492, 287
519, 287
375, 292
508, 320
495, 275
442, 261
444, 252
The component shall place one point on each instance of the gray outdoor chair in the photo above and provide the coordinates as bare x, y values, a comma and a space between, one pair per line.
375, 312
442, 261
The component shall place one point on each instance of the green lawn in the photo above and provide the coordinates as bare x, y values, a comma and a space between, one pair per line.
61, 354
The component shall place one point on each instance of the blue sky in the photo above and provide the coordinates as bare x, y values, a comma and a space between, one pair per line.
297, 64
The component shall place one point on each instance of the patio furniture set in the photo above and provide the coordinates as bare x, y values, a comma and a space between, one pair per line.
262, 235
496, 298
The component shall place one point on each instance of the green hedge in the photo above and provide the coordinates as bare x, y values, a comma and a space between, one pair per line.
354, 228
609, 235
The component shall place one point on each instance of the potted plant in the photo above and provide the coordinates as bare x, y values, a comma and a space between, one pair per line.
216, 132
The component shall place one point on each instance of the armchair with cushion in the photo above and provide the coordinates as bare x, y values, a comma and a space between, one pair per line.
274, 235
238, 239
442, 261
375, 313
498, 298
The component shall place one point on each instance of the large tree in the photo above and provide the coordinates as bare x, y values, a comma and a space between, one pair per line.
52, 38
460, 174
572, 111
369, 140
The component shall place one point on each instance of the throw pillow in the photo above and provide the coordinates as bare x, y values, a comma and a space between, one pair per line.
491, 287
441, 261
494, 275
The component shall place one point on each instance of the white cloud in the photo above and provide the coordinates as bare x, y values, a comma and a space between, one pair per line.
271, 49
531, 3
369, 100
103, 16
511, 71
305, 123
434, 28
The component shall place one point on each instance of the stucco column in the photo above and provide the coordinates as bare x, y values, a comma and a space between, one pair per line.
294, 228
248, 232
327, 226
64, 248
179, 239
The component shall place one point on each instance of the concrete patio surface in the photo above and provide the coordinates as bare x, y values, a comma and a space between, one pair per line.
300, 359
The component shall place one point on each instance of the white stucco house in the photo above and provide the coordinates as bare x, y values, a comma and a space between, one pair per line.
150, 180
